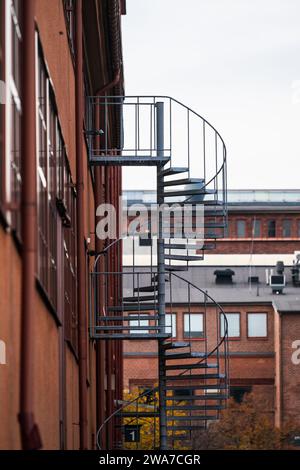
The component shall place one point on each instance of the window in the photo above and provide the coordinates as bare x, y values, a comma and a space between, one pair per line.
70, 268
271, 228
47, 215
170, 322
145, 241
287, 228
69, 7
257, 325
256, 228
193, 325
233, 322
241, 228
13, 110
138, 323
238, 393
181, 393
2, 99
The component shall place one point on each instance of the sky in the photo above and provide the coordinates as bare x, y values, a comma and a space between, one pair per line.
237, 63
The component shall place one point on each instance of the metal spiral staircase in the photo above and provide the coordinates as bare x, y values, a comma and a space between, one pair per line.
191, 213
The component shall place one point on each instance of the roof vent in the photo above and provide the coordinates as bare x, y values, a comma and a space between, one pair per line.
280, 267
224, 276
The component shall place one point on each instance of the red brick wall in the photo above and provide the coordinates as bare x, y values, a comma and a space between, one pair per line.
263, 244
290, 373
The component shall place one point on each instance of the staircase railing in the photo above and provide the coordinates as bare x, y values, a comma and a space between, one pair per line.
222, 341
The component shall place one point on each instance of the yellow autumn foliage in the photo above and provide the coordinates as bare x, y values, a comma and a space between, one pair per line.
149, 431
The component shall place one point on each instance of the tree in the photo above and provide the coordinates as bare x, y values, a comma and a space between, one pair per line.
149, 430
244, 426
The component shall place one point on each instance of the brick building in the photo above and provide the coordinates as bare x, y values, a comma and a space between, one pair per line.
56, 385
263, 227
263, 329
263, 325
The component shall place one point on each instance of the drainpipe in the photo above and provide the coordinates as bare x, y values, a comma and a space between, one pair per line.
82, 319
30, 435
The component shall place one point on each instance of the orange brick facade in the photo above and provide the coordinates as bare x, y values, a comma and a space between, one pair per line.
262, 365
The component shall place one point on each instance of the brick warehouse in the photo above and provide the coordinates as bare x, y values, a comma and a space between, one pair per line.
263, 326
56, 386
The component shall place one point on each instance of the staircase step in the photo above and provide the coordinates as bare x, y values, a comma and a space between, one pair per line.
128, 160
176, 344
170, 267
193, 418
202, 365
153, 288
122, 327
183, 246
189, 192
130, 336
174, 171
184, 181
184, 257
132, 308
144, 298
185, 355
128, 318
207, 397
196, 387
195, 407
201, 200
195, 377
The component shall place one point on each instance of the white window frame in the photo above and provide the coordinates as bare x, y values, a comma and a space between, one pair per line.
171, 325
252, 314
187, 331
222, 324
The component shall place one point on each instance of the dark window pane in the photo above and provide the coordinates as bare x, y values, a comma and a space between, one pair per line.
272, 228
238, 393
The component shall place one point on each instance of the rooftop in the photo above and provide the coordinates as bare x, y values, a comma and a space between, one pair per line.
236, 197
236, 293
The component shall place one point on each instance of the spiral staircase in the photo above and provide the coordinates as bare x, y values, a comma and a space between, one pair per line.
191, 213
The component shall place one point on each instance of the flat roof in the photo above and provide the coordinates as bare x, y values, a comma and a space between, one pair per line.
236, 197
239, 292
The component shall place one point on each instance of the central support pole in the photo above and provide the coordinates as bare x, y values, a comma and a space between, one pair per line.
161, 280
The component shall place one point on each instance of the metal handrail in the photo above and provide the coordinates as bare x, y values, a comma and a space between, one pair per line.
154, 389
105, 99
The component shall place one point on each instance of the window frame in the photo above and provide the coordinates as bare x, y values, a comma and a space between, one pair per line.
290, 222
137, 322
257, 222
186, 334
244, 221
2, 107
268, 228
175, 327
58, 214
11, 179
231, 338
258, 338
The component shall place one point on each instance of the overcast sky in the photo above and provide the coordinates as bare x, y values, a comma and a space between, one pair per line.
236, 62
